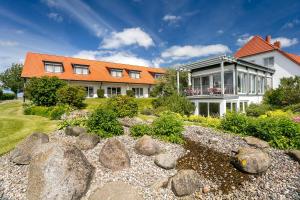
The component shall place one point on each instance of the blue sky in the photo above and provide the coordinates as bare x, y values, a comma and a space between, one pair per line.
143, 32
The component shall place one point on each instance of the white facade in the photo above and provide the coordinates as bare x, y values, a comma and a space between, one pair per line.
284, 67
92, 88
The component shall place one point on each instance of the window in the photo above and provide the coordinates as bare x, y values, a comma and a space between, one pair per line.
81, 69
214, 109
134, 74
269, 61
205, 84
89, 91
157, 76
217, 80
116, 72
252, 81
233, 107
268, 84
138, 92
228, 106
112, 91
203, 109
228, 82
260, 84
242, 77
196, 83
53, 67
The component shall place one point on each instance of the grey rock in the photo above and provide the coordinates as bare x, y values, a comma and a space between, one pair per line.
162, 183
74, 130
252, 160
295, 154
147, 146
58, 171
116, 191
253, 141
114, 156
185, 182
87, 141
165, 161
129, 122
25, 150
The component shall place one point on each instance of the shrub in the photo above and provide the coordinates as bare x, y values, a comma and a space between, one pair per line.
1, 94
175, 103
168, 127
100, 93
53, 112
8, 96
237, 123
72, 95
279, 113
123, 106
42, 91
140, 130
147, 111
57, 111
130, 93
294, 108
256, 110
104, 122
72, 122
205, 121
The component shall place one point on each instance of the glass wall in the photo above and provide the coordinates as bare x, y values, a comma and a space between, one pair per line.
203, 109
242, 77
228, 82
217, 80
205, 84
209, 109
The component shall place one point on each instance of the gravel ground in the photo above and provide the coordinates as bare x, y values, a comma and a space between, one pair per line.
281, 181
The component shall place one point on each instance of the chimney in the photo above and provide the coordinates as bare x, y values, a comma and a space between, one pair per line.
277, 44
268, 39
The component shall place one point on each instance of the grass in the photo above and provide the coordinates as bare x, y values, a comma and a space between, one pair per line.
15, 126
93, 103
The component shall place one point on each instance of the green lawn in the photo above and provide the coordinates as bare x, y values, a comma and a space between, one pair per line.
15, 126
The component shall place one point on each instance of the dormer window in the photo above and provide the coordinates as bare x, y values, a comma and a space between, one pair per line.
53, 67
269, 62
116, 72
157, 76
81, 69
134, 74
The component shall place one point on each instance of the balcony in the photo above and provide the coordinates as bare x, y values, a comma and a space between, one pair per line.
209, 91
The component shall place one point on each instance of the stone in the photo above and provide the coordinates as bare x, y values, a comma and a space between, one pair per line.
147, 146
116, 191
162, 183
252, 161
206, 189
25, 150
129, 122
165, 161
185, 182
58, 171
74, 130
258, 143
113, 155
87, 141
295, 154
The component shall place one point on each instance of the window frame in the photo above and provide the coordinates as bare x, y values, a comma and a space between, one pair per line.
113, 91
81, 68
135, 73
267, 62
117, 73
54, 66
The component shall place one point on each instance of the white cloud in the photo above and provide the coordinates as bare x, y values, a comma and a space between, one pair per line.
8, 43
114, 56
220, 31
285, 42
186, 52
291, 24
243, 39
171, 19
55, 16
129, 36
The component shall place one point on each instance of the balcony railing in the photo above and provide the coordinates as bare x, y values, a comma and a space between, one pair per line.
213, 91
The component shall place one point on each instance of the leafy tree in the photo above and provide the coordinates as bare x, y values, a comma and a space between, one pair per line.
42, 91
72, 95
11, 78
167, 84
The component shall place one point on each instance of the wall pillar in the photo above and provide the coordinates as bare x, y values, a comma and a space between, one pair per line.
196, 108
189, 79
222, 78
178, 89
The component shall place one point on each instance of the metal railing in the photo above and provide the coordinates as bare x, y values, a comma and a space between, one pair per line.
213, 91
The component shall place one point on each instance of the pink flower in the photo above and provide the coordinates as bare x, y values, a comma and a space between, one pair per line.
296, 119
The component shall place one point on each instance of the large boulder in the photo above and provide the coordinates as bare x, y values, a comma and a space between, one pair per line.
295, 154
252, 160
147, 146
114, 156
165, 161
129, 122
185, 182
116, 191
25, 150
258, 143
87, 141
58, 171
74, 130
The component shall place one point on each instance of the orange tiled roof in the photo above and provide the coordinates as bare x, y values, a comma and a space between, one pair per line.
99, 70
258, 45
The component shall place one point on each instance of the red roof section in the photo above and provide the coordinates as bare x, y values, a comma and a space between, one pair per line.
258, 45
99, 70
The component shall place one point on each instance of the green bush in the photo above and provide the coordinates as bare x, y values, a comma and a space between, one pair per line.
147, 111
130, 93
237, 123
52, 112
123, 106
72, 122
42, 91
71, 95
8, 96
140, 130
100, 93
205, 121
175, 103
1, 94
57, 111
104, 122
294, 108
256, 110
168, 127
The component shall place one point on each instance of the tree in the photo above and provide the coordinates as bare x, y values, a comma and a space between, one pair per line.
72, 95
167, 84
11, 78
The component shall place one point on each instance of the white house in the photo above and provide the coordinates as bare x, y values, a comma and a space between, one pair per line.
268, 54
225, 83
113, 78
